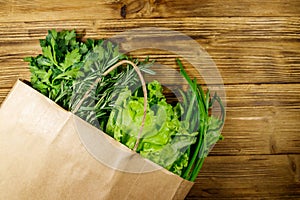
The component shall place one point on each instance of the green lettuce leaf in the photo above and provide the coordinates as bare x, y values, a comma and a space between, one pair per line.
164, 140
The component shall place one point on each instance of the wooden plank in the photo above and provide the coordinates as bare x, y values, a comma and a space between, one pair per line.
228, 8
267, 96
254, 50
260, 130
260, 119
13, 10
240, 96
248, 177
217, 28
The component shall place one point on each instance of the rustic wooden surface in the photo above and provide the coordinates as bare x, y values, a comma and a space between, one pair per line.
255, 44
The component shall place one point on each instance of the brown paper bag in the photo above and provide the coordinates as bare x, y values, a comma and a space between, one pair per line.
49, 153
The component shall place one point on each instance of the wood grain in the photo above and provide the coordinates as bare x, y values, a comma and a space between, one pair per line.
42, 10
256, 46
270, 109
272, 130
249, 177
246, 50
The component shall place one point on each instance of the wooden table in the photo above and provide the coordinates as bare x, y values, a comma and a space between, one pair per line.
256, 46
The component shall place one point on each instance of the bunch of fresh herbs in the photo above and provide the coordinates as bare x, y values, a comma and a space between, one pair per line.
173, 136
68, 66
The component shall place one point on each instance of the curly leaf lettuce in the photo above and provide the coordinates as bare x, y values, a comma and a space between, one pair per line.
165, 139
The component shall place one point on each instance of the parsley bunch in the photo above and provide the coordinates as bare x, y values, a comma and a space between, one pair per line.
68, 66
53, 72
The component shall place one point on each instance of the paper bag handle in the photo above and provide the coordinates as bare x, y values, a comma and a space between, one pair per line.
144, 93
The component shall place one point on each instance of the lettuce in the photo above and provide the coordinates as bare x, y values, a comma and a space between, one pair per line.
164, 139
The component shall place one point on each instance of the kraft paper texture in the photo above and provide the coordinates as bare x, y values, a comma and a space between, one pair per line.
49, 153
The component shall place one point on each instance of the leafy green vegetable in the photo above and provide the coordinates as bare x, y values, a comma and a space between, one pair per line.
209, 126
53, 72
68, 67
97, 107
177, 137
164, 139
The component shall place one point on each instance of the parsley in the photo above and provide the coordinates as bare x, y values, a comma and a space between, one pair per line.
53, 72
68, 67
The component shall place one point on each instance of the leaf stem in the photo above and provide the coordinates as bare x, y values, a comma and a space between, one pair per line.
136, 68
202, 115
197, 169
